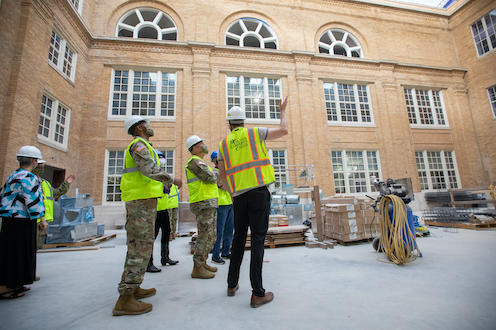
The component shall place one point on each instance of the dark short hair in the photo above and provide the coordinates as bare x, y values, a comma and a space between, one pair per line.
131, 129
24, 161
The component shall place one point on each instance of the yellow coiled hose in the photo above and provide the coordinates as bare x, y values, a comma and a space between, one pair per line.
397, 241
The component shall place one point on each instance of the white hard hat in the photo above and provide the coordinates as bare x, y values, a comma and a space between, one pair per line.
192, 140
236, 115
30, 152
133, 120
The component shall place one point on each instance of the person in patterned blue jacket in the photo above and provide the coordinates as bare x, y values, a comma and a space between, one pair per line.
21, 205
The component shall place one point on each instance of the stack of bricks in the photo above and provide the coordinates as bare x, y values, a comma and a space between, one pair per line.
348, 219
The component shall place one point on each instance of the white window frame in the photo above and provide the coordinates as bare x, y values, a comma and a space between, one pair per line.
77, 4
60, 57
423, 155
357, 102
146, 24
107, 176
481, 25
54, 124
129, 95
340, 42
166, 151
413, 103
254, 33
367, 171
277, 169
491, 93
267, 100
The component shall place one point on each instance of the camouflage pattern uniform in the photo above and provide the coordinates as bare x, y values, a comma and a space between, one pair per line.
206, 214
42, 234
173, 223
140, 222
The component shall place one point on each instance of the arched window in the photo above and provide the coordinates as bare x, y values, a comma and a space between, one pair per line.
339, 42
147, 23
251, 32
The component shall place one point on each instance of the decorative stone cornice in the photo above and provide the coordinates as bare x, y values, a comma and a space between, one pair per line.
41, 7
70, 13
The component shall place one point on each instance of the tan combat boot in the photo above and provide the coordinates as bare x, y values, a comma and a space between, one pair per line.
212, 269
201, 272
140, 293
128, 305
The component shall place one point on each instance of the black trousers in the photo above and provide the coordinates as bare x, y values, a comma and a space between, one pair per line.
17, 252
251, 209
162, 222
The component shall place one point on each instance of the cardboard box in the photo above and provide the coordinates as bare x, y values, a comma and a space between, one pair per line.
341, 215
365, 200
365, 213
344, 222
339, 200
369, 220
345, 229
348, 237
342, 207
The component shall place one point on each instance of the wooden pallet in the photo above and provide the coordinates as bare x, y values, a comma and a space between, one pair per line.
361, 241
463, 225
86, 242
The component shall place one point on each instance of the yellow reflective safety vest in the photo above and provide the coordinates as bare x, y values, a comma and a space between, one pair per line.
135, 185
246, 160
224, 196
199, 190
47, 200
162, 203
173, 201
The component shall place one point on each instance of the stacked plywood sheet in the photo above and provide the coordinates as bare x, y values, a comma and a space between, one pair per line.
284, 235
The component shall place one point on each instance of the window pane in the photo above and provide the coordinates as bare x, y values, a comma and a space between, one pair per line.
114, 173
167, 103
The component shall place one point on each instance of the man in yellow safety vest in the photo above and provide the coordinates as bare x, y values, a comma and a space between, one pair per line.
172, 209
142, 183
49, 196
245, 168
162, 223
202, 186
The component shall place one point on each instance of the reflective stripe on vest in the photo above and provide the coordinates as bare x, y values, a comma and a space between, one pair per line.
246, 160
199, 190
173, 201
47, 200
135, 185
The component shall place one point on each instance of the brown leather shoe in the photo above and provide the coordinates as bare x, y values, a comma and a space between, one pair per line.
259, 301
232, 291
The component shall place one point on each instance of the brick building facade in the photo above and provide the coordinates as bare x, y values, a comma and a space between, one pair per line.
376, 88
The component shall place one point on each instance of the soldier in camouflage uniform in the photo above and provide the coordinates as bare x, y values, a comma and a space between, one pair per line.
142, 182
203, 193
173, 223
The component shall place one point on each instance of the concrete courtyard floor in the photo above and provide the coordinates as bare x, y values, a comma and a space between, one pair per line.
451, 287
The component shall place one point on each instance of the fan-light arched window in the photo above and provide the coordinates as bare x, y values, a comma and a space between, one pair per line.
251, 32
339, 42
147, 23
